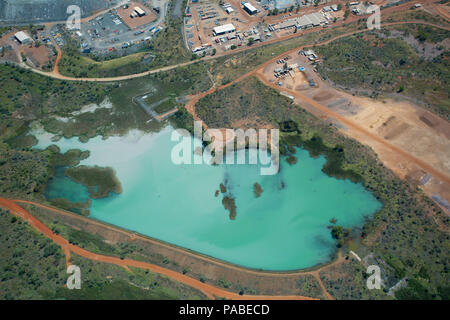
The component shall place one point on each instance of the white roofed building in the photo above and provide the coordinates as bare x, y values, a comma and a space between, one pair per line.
226, 28
22, 37
139, 11
304, 22
250, 8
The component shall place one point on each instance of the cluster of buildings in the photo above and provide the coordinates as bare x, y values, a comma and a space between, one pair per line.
333, 7
360, 8
311, 55
227, 33
228, 8
247, 6
137, 12
287, 69
314, 19
303, 22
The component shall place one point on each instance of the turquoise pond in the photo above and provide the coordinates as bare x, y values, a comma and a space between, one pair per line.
284, 229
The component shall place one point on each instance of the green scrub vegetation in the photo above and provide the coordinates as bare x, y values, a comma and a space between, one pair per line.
33, 267
380, 66
409, 231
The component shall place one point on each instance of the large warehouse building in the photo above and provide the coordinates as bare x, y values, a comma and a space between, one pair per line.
226, 28
306, 21
22, 37
251, 10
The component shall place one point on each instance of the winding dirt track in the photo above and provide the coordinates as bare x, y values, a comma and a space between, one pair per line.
55, 73
315, 273
190, 106
353, 125
58, 57
441, 10
210, 291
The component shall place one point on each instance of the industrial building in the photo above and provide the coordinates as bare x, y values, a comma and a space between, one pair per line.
287, 24
251, 10
229, 10
22, 37
306, 21
314, 17
139, 11
227, 28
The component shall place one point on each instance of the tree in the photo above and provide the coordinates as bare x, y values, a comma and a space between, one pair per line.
251, 41
337, 232
346, 13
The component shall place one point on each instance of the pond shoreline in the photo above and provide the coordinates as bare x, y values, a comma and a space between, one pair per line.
151, 181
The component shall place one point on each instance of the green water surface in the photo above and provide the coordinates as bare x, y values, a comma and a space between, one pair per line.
286, 228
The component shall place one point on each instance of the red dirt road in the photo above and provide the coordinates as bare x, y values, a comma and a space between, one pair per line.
210, 291
315, 272
438, 174
58, 57
55, 74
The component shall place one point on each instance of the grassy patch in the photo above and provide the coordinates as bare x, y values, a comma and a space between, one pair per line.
34, 95
30, 264
247, 104
33, 267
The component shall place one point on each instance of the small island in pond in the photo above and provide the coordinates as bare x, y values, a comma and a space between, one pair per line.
257, 190
100, 181
230, 205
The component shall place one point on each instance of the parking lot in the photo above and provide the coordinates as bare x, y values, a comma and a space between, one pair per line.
117, 31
